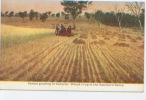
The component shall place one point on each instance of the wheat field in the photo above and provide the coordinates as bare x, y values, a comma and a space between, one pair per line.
15, 35
92, 55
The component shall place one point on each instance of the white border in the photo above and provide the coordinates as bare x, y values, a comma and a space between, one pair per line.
67, 95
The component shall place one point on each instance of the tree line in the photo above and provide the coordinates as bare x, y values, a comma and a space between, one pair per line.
119, 18
109, 18
34, 15
72, 9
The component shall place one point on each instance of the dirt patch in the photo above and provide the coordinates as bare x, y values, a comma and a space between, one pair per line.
79, 41
121, 44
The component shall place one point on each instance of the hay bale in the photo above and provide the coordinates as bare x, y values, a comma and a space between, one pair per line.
79, 41
123, 31
128, 36
94, 37
133, 40
85, 36
121, 39
138, 38
94, 42
106, 38
121, 44
100, 42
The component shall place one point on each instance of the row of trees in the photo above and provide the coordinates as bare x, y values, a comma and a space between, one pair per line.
75, 8
33, 14
109, 18
119, 18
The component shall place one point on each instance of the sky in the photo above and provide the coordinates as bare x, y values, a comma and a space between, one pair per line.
52, 5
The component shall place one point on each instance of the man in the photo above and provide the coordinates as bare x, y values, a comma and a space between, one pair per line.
58, 29
63, 30
69, 31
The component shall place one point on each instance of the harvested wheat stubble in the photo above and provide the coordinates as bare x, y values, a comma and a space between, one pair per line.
123, 31
106, 38
128, 36
94, 42
85, 36
79, 41
94, 37
121, 44
100, 42
141, 46
122, 37
133, 40
138, 38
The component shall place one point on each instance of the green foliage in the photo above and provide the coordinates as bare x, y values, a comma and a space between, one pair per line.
6, 13
49, 13
62, 13
53, 15
22, 14
88, 15
31, 14
11, 14
43, 17
66, 16
99, 15
109, 18
2, 15
142, 15
58, 15
74, 7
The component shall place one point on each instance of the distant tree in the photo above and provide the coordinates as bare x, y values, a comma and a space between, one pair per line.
142, 15
11, 14
2, 15
136, 9
43, 17
129, 21
49, 13
74, 8
66, 16
62, 13
53, 15
58, 15
6, 13
119, 14
22, 15
87, 15
109, 19
16, 15
31, 14
36, 14
99, 15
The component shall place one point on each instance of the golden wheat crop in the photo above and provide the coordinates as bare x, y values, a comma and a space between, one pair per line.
13, 35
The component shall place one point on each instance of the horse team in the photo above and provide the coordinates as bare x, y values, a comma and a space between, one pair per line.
62, 31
